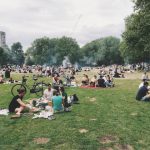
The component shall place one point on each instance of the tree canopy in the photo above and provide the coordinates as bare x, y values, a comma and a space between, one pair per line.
17, 54
103, 51
52, 51
135, 46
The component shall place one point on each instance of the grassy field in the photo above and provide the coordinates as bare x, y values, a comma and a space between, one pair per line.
105, 119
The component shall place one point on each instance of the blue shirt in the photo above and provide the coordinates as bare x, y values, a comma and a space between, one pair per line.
57, 103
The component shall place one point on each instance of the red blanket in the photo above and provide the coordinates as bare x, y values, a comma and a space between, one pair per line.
90, 87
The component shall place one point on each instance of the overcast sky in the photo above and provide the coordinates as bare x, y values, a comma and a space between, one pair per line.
84, 20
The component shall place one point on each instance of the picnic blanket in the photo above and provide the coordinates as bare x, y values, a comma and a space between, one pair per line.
4, 112
90, 87
44, 114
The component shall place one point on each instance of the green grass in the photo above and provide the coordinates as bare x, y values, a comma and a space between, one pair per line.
116, 111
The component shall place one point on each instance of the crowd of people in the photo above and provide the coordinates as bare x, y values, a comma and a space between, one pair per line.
55, 96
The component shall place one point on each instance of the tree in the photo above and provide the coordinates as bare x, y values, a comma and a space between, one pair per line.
17, 53
42, 51
68, 47
52, 51
104, 51
108, 52
135, 46
5, 56
1, 55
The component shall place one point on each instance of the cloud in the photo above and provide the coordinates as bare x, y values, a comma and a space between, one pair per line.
86, 20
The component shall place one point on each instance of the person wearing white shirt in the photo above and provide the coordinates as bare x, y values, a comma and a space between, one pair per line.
48, 93
145, 76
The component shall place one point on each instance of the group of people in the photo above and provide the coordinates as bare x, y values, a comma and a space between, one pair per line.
56, 99
4, 74
100, 81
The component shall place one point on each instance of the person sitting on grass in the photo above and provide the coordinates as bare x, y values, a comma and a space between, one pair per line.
101, 82
48, 93
56, 82
57, 102
109, 81
145, 76
65, 100
1, 79
94, 82
85, 80
16, 105
43, 101
143, 93
11, 80
142, 83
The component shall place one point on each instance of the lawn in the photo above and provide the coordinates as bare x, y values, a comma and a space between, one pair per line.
105, 119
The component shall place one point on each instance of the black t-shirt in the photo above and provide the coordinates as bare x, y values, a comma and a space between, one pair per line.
14, 103
64, 94
141, 92
101, 82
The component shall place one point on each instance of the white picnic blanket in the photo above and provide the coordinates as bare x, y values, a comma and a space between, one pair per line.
4, 112
47, 113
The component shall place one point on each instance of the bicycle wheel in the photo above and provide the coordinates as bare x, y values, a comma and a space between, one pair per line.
39, 88
15, 89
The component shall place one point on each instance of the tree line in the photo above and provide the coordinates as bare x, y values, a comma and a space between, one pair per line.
52, 52
134, 46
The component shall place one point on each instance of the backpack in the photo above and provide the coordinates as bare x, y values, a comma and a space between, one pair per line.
73, 99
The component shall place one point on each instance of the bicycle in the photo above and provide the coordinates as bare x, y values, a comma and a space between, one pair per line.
37, 87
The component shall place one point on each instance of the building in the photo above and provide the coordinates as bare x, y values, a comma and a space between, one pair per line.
2, 39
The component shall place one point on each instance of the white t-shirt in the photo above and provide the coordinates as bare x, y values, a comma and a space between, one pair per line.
141, 84
48, 94
145, 76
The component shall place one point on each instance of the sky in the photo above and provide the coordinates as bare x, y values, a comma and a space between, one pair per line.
83, 20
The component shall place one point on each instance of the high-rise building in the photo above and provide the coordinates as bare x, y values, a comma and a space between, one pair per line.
2, 39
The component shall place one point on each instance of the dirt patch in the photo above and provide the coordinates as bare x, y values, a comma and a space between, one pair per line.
123, 147
133, 114
93, 99
83, 130
108, 139
141, 142
93, 119
106, 148
41, 140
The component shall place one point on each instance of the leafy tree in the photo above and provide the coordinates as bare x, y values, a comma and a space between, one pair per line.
108, 52
17, 53
52, 51
68, 47
1, 55
103, 51
135, 46
89, 52
29, 61
5, 56
42, 50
